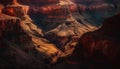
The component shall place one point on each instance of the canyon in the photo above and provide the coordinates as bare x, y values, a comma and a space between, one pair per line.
47, 34
100, 48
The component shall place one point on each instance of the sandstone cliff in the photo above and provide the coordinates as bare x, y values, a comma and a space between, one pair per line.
19, 33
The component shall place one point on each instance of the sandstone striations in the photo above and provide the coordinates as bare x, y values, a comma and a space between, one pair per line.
39, 35
19, 35
64, 27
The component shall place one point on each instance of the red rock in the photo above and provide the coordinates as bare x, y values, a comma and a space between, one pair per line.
101, 46
1, 8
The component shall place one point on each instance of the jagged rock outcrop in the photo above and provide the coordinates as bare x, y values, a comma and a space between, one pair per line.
18, 10
69, 26
11, 25
63, 25
101, 46
13, 55
20, 34
69, 29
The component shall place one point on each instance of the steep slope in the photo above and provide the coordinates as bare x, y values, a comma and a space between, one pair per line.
19, 30
64, 26
13, 55
101, 46
61, 22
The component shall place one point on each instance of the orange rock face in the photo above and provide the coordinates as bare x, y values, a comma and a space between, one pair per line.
10, 11
11, 26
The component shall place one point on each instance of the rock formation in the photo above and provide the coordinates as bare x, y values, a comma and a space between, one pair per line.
101, 46
63, 24
24, 39
1, 7
26, 45
17, 10
12, 54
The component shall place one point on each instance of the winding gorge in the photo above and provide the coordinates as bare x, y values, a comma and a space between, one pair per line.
59, 34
